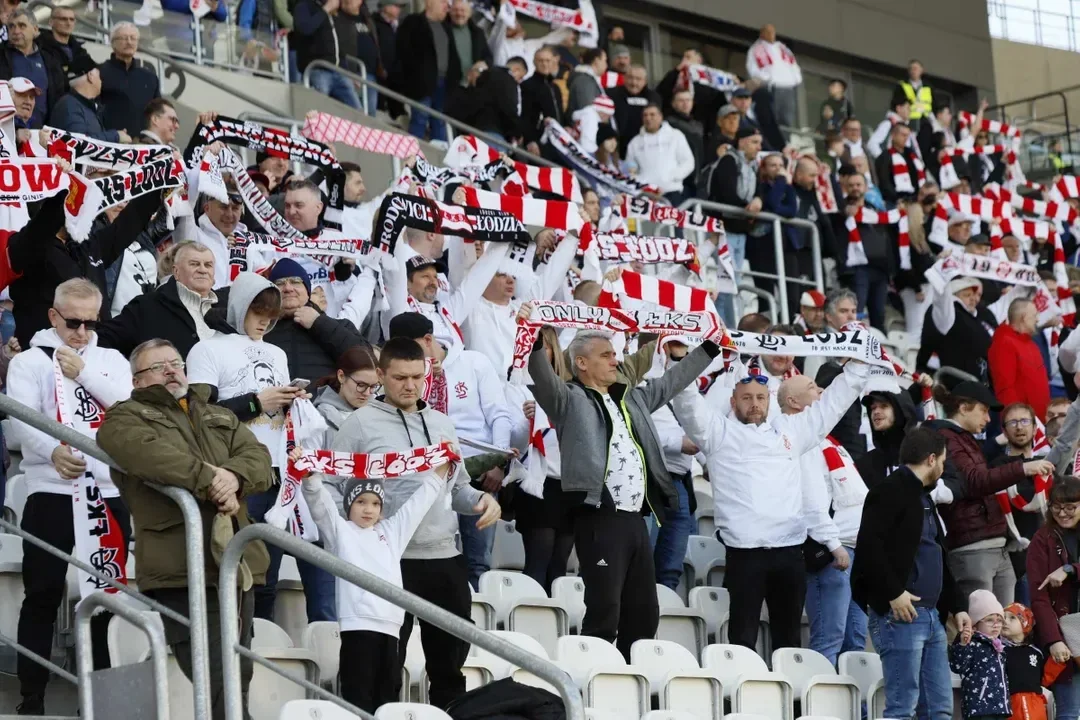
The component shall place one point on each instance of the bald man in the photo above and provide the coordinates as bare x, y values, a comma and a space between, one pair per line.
829, 482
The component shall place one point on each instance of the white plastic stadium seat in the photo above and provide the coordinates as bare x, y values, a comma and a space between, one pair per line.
601, 672
314, 710
674, 675
483, 611
815, 682
508, 553
128, 643
768, 693
713, 602
410, 711
323, 639
290, 604
499, 667
522, 605
414, 663
15, 498
744, 716
570, 592
865, 667
669, 715
730, 661
875, 704
706, 523
706, 556
11, 584
269, 691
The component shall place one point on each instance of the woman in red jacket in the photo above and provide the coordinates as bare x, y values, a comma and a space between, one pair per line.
1052, 577
977, 531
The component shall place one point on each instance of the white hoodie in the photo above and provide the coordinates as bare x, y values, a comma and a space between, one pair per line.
476, 400
663, 158
106, 376
213, 238
376, 550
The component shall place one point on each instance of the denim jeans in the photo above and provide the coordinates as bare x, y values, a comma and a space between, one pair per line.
372, 95
669, 540
837, 624
871, 286
420, 120
336, 86
725, 304
476, 546
915, 665
1067, 698
7, 325
319, 585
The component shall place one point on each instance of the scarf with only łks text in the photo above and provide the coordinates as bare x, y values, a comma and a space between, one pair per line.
856, 253
99, 541
399, 211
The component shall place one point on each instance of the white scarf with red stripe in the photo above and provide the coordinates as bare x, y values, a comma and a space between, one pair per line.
304, 425
555, 214
99, 541
649, 289
1010, 499
414, 306
468, 150
965, 120
900, 174
328, 128
583, 20
947, 175
848, 488
643, 208
691, 75
823, 186
558, 181
612, 79
535, 458
856, 253
1051, 210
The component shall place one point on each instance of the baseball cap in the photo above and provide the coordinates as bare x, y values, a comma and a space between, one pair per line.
812, 298
419, 262
740, 93
976, 391
746, 131
355, 487
727, 109
962, 283
980, 239
21, 85
80, 66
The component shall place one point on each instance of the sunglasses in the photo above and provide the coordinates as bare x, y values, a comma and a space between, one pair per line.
759, 379
235, 198
75, 323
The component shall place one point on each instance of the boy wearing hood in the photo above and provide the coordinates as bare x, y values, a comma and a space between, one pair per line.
431, 565
891, 416
94, 379
252, 380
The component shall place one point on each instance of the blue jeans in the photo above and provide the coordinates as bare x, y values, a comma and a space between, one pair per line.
336, 86
295, 76
915, 664
476, 546
669, 540
836, 623
319, 585
725, 304
871, 286
1067, 698
372, 95
420, 120
7, 325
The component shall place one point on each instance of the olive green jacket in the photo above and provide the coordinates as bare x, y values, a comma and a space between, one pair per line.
152, 438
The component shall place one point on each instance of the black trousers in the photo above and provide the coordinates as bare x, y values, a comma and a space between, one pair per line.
547, 553
370, 669
48, 517
179, 639
616, 564
444, 582
775, 576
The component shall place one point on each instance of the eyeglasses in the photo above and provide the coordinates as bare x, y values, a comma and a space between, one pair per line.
1018, 422
1060, 509
75, 323
158, 368
759, 379
282, 282
364, 388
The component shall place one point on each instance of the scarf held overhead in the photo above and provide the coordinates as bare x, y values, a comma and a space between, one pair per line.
564, 143
399, 211
327, 128
80, 149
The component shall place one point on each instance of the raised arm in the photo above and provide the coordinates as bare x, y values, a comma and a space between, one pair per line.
815, 422
703, 424
476, 280
323, 511
402, 525
1061, 454
548, 388
658, 393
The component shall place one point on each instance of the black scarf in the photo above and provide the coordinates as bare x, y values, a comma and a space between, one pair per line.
399, 211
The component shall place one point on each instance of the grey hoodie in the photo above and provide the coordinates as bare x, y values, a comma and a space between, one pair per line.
242, 291
379, 427
334, 410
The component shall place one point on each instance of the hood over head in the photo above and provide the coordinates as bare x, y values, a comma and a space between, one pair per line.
906, 419
242, 291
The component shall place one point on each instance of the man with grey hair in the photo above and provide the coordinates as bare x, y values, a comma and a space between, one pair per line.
612, 490
91, 380
181, 310
127, 84
841, 308
23, 56
205, 450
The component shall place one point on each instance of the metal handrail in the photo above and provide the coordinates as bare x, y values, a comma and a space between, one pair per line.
84, 655
763, 294
446, 621
464, 127
193, 533
949, 371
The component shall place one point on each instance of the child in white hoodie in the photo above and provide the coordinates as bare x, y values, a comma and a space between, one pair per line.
370, 626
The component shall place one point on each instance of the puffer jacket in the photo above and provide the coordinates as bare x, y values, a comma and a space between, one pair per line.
154, 440
977, 515
984, 688
313, 352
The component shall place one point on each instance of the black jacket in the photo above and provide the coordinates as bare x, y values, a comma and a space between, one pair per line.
314, 353
695, 137
846, 431
54, 71
628, 110
886, 184
386, 36
541, 98
807, 207
878, 241
160, 314
318, 36
45, 261
492, 105
880, 462
966, 345
724, 189
889, 536
417, 69
707, 101
507, 700
74, 46
125, 91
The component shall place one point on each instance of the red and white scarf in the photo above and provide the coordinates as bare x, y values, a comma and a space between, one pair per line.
583, 20
691, 75
304, 425
900, 173
823, 186
566, 145
761, 53
328, 128
375, 465
212, 184
965, 120
414, 306
856, 253
612, 79
649, 289
99, 541
555, 214
648, 250
244, 242
642, 208
1052, 210
1067, 187
558, 181
469, 150
535, 458
199, 8
848, 488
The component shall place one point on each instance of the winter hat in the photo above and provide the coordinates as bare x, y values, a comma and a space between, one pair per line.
604, 105
1026, 617
962, 283
355, 487
982, 604
605, 132
287, 268
812, 298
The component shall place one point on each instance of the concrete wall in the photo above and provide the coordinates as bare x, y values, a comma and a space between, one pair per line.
1022, 71
950, 37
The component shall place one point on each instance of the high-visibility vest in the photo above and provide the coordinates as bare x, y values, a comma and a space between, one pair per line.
921, 102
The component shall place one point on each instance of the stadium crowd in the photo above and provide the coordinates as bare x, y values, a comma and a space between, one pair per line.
389, 371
